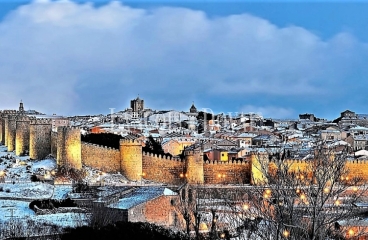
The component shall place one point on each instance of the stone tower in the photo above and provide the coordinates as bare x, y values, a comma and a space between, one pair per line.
137, 104
12, 125
131, 159
39, 138
22, 135
194, 166
6, 114
69, 147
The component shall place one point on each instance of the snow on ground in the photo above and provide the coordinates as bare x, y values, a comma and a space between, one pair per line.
30, 190
61, 191
47, 164
17, 190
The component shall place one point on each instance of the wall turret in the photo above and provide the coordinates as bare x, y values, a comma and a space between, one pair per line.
69, 150
12, 121
194, 166
22, 135
6, 114
39, 138
131, 159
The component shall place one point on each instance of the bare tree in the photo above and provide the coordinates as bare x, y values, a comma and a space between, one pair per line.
305, 199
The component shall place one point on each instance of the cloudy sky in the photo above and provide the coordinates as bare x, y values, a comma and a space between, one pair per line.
275, 58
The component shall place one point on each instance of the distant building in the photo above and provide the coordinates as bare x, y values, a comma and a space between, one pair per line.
137, 105
350, 118
193, 109
307, 116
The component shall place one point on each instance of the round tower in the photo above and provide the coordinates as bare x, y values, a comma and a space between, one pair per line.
69, 148
194, 166
39, 138
131, 159
6, 114
22, 135
12, 121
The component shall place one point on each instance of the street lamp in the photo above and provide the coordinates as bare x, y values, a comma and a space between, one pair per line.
286, 233
222, 177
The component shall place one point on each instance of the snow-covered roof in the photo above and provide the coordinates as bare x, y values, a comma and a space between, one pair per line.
141, 195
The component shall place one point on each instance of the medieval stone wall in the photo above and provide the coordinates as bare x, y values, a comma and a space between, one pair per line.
358, 168
101, 157
39, 138
220, 172
163, 169
68, 147
22, 135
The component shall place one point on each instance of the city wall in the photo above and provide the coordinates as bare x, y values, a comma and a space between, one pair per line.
100, 157
35, 135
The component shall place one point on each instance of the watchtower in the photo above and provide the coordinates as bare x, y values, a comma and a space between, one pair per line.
39, 138
131, 159
194, 166
22, 135
69, 147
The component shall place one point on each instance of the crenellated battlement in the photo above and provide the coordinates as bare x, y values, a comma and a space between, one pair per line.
231, 162
10, 112
130, 142
100, 146
40, 121
160, 157
22, 118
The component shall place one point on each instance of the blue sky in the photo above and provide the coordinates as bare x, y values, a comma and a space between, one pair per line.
271, 57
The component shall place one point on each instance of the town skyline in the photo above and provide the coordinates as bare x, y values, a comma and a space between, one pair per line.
280, 59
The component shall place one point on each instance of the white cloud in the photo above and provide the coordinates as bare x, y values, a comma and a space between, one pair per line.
65, 56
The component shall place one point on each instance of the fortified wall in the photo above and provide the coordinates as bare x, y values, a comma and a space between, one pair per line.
100, 157
162, 168
22, 134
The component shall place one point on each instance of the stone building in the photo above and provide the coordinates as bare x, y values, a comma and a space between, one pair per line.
137, 104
